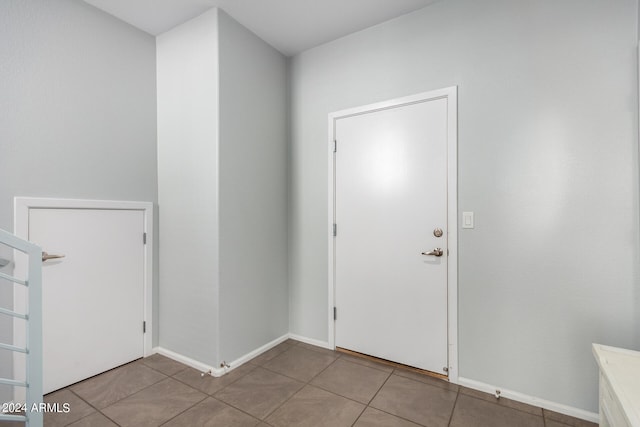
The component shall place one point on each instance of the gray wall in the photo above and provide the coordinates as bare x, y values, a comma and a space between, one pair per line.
188, 188
253, 191
547, 161
77, 108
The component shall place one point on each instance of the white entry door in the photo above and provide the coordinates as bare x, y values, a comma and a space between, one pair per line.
93, 297
391, 239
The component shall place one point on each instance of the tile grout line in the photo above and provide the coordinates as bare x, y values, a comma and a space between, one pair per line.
455, 403
190, 407
207, 395
298, 391
69, 388
241, 410
133, 394
380, 388
359, 416
355, 362
397, 416
374, 396
165, 375
112, 403
391, 365
268, 414
336, 357
222, 388
388, 413
212, 396
141, 390
417, 381
290, 377
291, 345
367, 405
140, 361
91, 405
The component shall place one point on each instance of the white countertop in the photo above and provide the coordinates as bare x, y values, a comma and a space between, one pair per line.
622, 369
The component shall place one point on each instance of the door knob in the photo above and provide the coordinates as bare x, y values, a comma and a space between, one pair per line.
435, 252
46, 256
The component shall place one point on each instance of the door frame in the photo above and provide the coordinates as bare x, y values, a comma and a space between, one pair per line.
22, 205
451, 95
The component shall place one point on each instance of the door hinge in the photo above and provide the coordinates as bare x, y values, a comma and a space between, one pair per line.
144, 327
335, 146
144, 238
335, 313
335, 230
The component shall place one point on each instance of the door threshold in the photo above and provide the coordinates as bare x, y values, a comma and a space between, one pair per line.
393, 364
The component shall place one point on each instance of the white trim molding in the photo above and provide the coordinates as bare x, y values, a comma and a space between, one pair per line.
218, 372
451, 95
311, 341
531, 400
202, 367
257, 352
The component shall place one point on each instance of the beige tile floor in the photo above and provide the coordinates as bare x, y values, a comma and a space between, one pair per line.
293, 384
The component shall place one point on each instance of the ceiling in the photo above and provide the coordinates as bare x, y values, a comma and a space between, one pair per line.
291, 26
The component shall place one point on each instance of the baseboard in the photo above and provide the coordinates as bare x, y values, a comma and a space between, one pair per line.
203, 367
531, 400
257, 352
317, 343
218, 372
466, 382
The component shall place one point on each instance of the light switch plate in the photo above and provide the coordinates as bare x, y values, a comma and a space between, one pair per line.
467, 220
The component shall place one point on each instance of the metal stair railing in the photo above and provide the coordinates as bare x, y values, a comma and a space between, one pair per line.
32, 415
